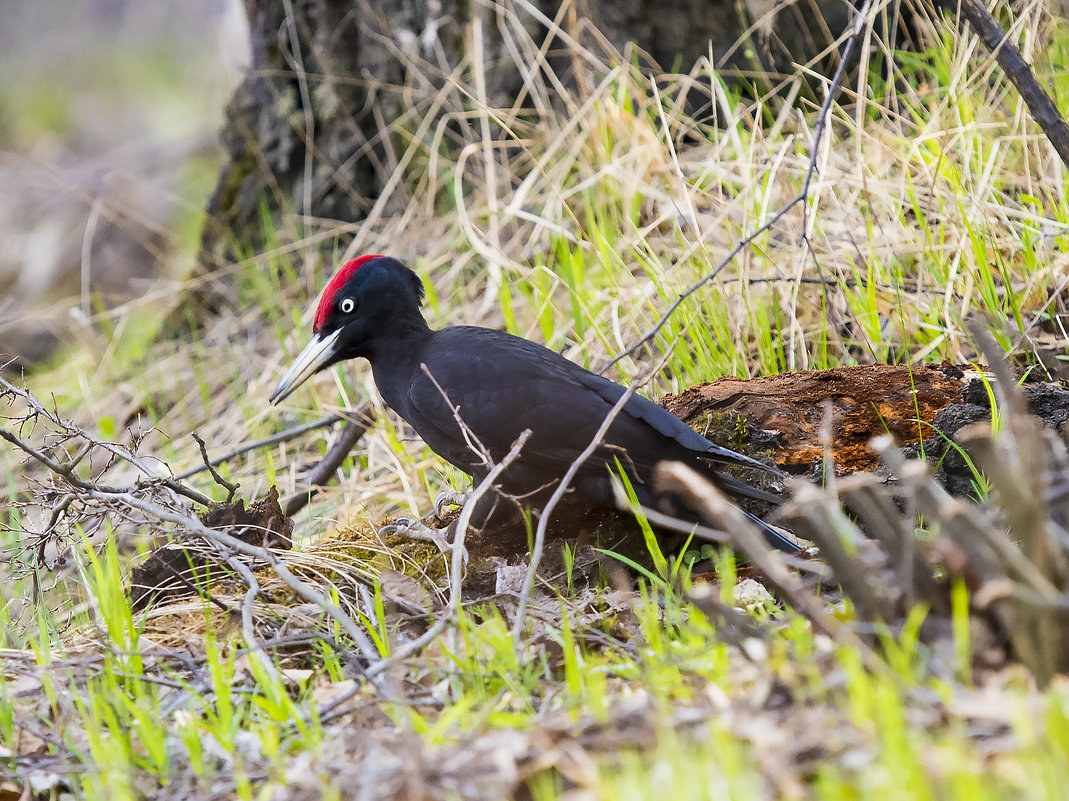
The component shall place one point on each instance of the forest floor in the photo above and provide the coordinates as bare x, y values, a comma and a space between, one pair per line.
917, 653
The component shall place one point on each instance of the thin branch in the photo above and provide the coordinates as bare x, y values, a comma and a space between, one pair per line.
230, 487
73, 431
1040, 104
701, 494
319, 475
825, 108
266, 442
457, 565
681, 526
119, 497
472, 441
803, 196
248, 630
558, 493
656, 329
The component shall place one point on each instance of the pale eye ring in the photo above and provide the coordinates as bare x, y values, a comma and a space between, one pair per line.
347, 305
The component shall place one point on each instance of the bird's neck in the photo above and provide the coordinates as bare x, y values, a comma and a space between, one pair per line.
395, 363
401, 339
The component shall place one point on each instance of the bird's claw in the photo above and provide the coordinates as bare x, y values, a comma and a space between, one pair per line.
399, 526
412, 529
449, 498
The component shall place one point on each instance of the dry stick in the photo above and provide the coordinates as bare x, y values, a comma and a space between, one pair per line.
247, 629
816, 514
677, 524
472, 441
67, 471
825, 107
321, 473
457, 565
220, 538
230, 487
565, 483
860, 24
701, 494
1040, 104
469, 509
558, 493
281, 436
189, 522
649, 335
802, 197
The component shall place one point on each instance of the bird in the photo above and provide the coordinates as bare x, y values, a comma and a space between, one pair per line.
469, 392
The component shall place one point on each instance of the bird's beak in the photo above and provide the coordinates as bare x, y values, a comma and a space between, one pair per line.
311, 360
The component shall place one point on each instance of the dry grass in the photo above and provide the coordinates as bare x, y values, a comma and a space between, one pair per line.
574, 219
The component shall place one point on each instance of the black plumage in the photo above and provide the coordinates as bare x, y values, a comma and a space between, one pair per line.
500, 385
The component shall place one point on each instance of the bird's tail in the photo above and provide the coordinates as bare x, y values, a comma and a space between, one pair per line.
773, 536
737, 488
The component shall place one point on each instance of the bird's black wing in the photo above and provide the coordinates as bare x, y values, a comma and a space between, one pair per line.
501, 385
645, 412
504, 384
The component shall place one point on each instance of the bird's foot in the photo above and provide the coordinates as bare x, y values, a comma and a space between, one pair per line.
449, 498
410, 529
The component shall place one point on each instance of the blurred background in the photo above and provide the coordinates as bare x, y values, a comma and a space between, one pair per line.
109, 113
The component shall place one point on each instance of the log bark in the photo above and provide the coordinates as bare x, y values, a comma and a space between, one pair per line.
922, 407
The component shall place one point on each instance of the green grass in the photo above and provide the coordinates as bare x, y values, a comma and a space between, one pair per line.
936, 201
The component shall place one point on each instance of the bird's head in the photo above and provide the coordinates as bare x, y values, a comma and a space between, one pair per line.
368, 298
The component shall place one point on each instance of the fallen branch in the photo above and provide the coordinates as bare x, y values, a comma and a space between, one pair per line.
266, 442
355, 427
140, 496
702, 495
908, 543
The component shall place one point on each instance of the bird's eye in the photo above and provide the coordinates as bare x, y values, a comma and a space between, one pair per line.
347, 305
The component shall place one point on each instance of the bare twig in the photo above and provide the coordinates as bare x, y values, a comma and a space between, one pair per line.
266, 442
118, 451
248, 629
457, 564
671, 310
858, 28
130, 498
354, 429
472, 441
701, 494
860, 22
682, 526
469, 508
558, 493
230, 487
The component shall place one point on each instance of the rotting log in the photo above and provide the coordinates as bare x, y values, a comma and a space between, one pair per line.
921, 407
